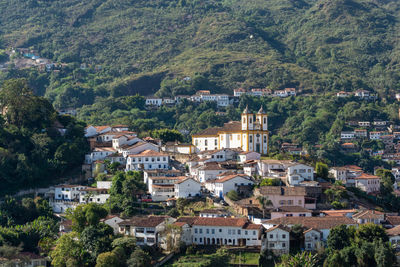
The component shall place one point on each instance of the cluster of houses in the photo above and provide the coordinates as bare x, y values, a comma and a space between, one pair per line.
217, 227
361, 94
222, 100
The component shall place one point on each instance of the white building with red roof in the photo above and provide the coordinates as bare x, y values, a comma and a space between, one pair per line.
226, 231
231, 182
187, 188
96, 130
368, 183
147, 160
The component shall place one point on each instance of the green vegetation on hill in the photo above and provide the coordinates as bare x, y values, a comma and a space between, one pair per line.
140, 46
36, 144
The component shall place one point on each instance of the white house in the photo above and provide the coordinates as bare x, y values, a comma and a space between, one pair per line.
93, 195
281, 93
278, 239
113, 221
120, 140
153, 101
369, 216
297, 173
209, 172
137, 148
375, 135
162, 188
99, 153
226, 231
312, 239
368, 183
231, 182
347, 135
146, 230
214, 213
147, 160
394, 236
238, 92
323, 224
68, 192
95, 130
248, 155
187, 188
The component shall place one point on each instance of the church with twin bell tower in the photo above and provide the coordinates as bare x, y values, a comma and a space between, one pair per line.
249, 134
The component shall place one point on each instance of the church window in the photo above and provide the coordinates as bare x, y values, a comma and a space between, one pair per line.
215, 142
265, 120
251, 139
250, 120
244, 120
265, 139
206, 142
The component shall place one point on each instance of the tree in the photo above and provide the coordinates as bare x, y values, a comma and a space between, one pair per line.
167, 135
233, 195
172, 235
370, 232
97, 239
173, 213
270, 182
339, 237
384, 254
107, 259
299, 259
69, 250
322, 170
296, 232
139, 258
127, 243
86, 214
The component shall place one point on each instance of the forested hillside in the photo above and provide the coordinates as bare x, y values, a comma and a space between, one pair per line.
140, 46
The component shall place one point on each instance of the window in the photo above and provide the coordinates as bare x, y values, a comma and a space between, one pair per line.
146, 159
200, 231
283, 236
271, 236
244, 120
245, 232
139, 230
283, 245
233, 232
215, 142
205, 142
201, 240
251, 139
290, 202
195, 230
196, 143
220, 230
271, 245
239, 232
250, 120
150, 239
254, 232
265, 139
229, 231
213, 231
207, 231
265, 120
300, 202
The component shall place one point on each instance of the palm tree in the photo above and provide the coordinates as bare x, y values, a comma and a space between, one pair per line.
264, 202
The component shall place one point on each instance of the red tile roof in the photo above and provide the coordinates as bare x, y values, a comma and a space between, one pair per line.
312, 222
149, 153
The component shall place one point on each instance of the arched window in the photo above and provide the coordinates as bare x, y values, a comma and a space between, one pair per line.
265, 120
251, 139
250, 120
265, 139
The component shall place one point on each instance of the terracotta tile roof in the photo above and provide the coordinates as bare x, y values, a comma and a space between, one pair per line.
179, 224
337, 213
184, 180
368, 214
100, 128
211, 167
162, 185
187, 219
234, 222
150, 221
252, 226
69, 185
149, 153
366, 176
282, 190
394, 231
312, 222
291, 209
393, 220
232, 176
209, 131
279, 226
312, 229
104, 149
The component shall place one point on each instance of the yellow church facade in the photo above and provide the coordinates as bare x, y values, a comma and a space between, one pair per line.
249, 134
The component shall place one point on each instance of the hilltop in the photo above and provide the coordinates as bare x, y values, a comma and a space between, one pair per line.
142, 46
